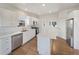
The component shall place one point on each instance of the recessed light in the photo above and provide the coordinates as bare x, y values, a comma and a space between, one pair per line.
50, 11
39, 13
26, 9
44, 5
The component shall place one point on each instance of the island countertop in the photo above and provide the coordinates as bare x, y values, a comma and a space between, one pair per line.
9, 34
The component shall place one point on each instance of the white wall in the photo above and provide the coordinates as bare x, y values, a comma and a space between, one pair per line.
63, 16
60, 18
45, 27
0, 20
61, 29
75, 15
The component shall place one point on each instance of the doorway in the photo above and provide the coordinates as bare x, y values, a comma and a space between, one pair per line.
70, 32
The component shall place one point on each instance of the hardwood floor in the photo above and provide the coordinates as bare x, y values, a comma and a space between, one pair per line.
59, 47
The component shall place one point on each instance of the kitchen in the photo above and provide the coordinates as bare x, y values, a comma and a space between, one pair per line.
18, 25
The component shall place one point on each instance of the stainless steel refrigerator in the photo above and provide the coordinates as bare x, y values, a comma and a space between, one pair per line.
70, 32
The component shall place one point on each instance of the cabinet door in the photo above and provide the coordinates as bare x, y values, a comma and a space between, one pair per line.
5, 45
26, 37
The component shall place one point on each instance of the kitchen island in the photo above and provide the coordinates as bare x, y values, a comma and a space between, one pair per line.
44, 43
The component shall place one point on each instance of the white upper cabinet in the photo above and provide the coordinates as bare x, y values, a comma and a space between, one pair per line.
8, 18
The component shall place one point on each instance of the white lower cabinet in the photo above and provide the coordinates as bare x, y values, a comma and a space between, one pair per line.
43, 45
28, 35
5, 45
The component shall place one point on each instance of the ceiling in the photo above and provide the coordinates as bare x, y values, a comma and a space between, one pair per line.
42, 8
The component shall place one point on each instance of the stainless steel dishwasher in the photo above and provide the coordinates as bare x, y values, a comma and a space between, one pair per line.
16, 41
